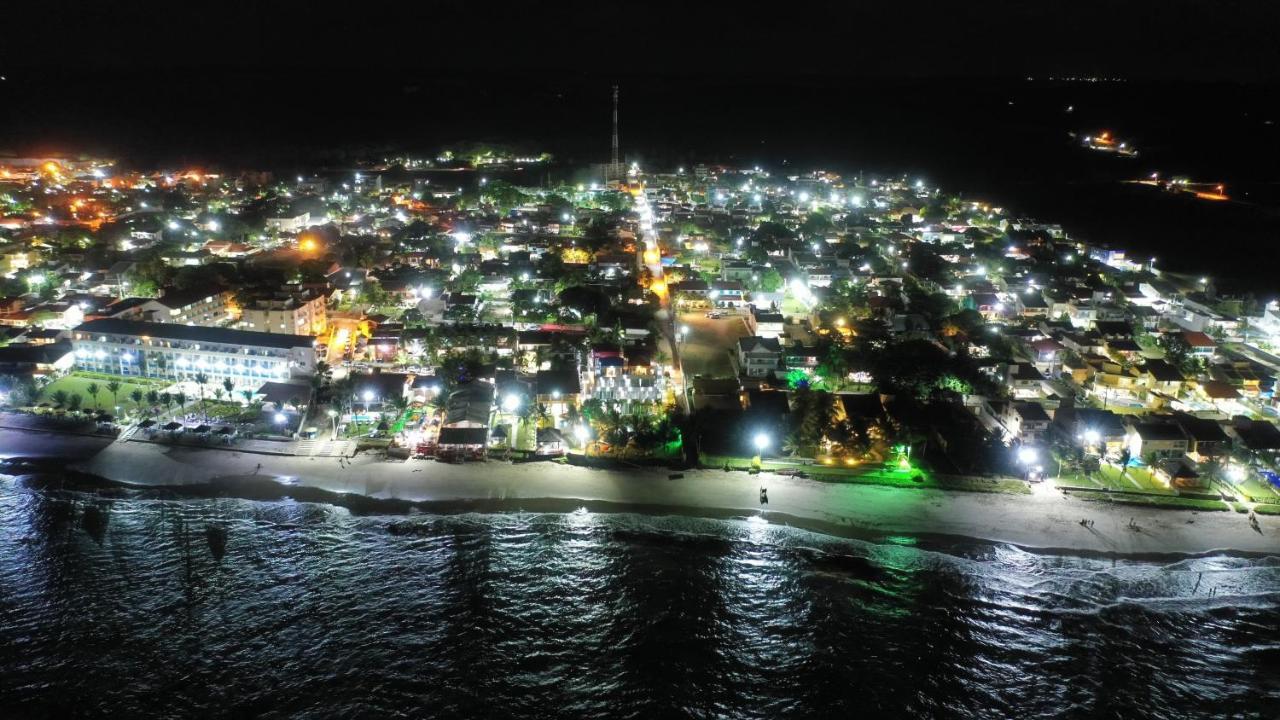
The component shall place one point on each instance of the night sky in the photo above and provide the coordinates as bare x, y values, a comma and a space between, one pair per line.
1229, 40
251, 82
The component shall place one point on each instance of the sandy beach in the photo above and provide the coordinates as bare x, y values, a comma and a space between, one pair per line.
1043, 520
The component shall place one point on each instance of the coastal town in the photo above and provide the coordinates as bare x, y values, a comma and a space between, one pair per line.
486, 305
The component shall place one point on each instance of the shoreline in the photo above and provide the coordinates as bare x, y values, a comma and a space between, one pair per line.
1042, 521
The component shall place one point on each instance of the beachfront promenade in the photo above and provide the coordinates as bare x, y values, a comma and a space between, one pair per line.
1043, 519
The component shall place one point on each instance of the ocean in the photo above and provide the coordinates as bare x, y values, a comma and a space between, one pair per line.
128, 605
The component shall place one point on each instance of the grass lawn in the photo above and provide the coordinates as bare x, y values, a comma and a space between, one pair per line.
1133, 480
79, 384
872, 474
1165, 501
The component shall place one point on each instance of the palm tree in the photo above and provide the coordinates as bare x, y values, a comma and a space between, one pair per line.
93, 391
60, 398
180, 397
153, 398
73, 403
113, 387
399, 403
229, 386
248, 396
791, 444
167, 399
136, 396
201, 380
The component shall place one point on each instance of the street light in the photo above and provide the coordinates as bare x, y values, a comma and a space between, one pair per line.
1027, 455
511, 403
761, 441
1091, 437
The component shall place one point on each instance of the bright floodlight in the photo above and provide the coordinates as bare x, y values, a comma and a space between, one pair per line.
1235, 473
761, 441
333, 413
582, 433
1026, 455
367, 395
280, 418
1092, 437
510, 403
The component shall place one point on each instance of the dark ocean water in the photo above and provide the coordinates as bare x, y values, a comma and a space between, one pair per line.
123, 608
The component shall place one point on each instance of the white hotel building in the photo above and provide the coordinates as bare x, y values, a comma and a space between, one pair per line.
179, 352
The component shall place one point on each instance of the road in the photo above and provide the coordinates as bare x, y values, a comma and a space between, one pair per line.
651, 257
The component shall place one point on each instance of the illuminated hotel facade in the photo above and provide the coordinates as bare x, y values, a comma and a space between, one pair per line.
177, 353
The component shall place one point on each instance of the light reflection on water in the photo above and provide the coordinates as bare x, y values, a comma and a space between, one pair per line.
120, 606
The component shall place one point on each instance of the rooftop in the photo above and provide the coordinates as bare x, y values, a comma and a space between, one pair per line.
191, 333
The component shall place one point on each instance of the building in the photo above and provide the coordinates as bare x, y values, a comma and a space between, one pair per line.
207, 307
758, 357
181, 352
1026, 421
289, 222
765, 323
295, 313
1157, 440
28, 359
466, 425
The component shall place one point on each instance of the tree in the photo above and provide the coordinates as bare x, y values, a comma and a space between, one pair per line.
180, 398
771, 280
73, 403
153, 398
229, 386
113, 387
60, 398
167, 399
201, 380
93, 391
136, 396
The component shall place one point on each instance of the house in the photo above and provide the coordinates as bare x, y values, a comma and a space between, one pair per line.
1026, 421
1097, 431
1157, 440
1257, 436
1205, 438
765, 323
466, 425
1162, 377
758, 357
1200, 344
557, 391
1024, 380
1046, 355
1178, 473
